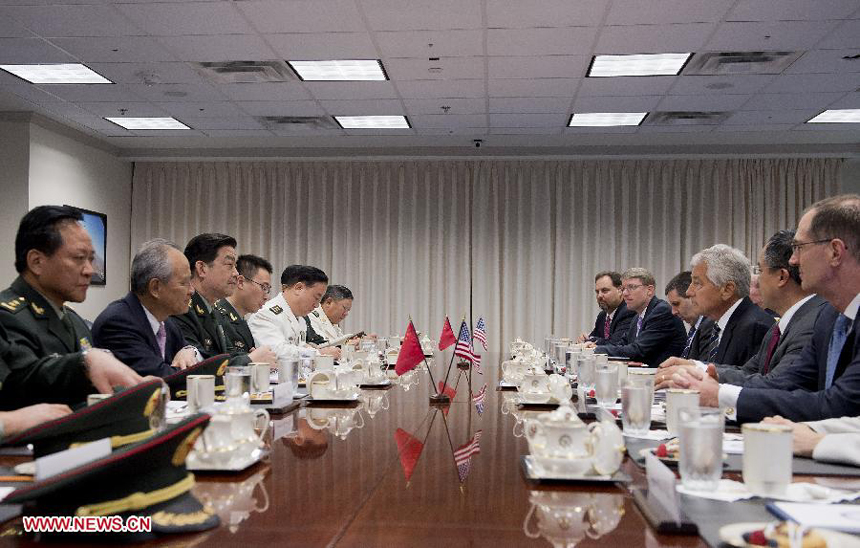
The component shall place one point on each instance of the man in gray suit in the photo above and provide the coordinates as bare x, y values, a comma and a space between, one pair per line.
781, 291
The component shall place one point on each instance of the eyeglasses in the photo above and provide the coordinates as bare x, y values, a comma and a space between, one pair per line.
796, 246
630, 288
265, 287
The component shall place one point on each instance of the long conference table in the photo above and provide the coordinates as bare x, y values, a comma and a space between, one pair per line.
317, 488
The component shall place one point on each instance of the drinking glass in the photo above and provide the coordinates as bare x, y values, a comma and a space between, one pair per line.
636, 408
700, 435
606, 384
586, 373
767, 458
677, 399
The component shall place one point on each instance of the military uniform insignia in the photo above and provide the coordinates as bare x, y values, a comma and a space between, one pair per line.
276, 309
239, 344
200, 311
37, 309
233, 317
207, 343
185, 447
222, 368
152, 403
86, 344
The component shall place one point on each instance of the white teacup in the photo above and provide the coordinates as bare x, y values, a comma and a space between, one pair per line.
514, 371
331, 385
216, 446
534, 384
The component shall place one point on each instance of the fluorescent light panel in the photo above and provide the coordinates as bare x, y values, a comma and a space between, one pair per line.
646, 64
373, 122
67, 73
339, 70
837, 116
148, 123
606, 119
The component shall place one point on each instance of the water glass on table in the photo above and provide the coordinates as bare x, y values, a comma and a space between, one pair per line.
586, 373
700, 435
636, 408
767, 463
606, 384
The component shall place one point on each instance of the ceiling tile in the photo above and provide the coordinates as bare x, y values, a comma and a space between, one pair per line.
299, 130
281, 108
448, 121
452, 68
551, 66
30, 93
528, 120
233, 47
724, 85
226, 123
846, 129
153, 73
351, 90
132, 109
675, 129
54, 21
598, 130
677, 38
642, 103
221, 109
626, 85
31, 50
544, 13
811, 83
471, 131
636, 12
280, 91
177, 92
846, 35
756, 127
450, 43
849, 100
426, 89
277, 16
323, 46
187, 19
128, 49
705, 103
824, 61
439, 14
791, 10
240, 133
525, 131
91, 92
434, 106
10, 102
563, 41
751, 118
376, 107
791, 101
9, 28
533, 87
526, 105
769, 36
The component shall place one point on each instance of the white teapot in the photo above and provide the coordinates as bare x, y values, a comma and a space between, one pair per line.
561, 443
331, 385
339, 421
565, 518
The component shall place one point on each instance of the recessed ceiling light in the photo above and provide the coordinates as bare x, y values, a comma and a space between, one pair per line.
148, 123
373, 122
340, 70
837, 116
644, 64
70, 73
604, 119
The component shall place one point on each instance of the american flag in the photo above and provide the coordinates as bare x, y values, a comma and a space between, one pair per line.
480, 333
479, 399
463, 455
464, 347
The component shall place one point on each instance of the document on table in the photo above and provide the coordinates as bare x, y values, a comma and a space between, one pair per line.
841, 517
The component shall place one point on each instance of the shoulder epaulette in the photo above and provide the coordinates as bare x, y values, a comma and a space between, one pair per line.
276, 309
15, 305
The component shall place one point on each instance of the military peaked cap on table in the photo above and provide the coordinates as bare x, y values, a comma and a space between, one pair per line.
148, 478
216, 365
126, 417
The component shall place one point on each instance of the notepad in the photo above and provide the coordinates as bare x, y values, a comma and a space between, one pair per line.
840, 517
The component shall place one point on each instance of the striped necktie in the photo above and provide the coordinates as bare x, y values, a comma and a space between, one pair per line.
686, 353
710, 349
606, 323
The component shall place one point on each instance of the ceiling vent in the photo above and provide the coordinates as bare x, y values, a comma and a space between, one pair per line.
740, 62
690, 118
297, 123
244, 72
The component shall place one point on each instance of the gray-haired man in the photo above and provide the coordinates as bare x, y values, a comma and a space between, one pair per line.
138, 328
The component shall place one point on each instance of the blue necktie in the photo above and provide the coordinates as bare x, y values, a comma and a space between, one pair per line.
638, 325
686, 353
713, 345
837, 341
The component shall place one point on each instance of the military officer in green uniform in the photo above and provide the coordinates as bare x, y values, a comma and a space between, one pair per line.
47, 353
212, 258
253, 287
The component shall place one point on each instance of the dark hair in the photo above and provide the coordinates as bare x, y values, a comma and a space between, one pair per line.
248, 265
680, 283
778, 251
40, 230
838, 217
204, 247
309, 275
337, 293
614, 276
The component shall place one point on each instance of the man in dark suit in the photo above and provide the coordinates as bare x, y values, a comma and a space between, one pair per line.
253, 287
824, 382
614, 320
654, 334
682, 307
782, 291
138, 328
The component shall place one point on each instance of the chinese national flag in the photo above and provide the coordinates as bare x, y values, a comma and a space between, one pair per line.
409, 449
410, 352
448, 391
447, 337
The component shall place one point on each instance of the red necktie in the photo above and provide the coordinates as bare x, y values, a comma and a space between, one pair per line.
771, 347
606, 321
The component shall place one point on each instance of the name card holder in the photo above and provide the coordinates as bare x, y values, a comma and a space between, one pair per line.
660, 503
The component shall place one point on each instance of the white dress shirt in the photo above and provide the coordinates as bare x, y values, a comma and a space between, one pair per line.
323, 326
276, 326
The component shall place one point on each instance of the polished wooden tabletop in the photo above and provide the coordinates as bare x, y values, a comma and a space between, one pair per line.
350, 487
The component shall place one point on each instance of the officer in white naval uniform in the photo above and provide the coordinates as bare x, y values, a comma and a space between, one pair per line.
335, 307
280, 324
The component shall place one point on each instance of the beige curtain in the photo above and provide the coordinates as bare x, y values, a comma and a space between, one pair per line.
517, 242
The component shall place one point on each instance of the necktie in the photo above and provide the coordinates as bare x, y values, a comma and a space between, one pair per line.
837, 341
710, 349
771, 346
638, 325
686, 353
161, 337
606, 321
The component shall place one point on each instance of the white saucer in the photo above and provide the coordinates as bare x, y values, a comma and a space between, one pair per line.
535, 472
351, 398
383, 382
732, 535
235, 464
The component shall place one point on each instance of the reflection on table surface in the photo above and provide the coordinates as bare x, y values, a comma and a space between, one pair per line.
384, 473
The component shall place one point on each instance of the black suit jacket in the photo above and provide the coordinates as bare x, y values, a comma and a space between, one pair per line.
797, 392
124, 329
701, 338
742, 336
662, 335
618, 328
797, 335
